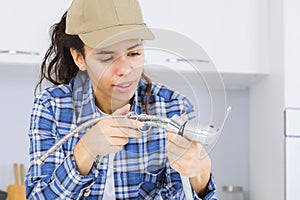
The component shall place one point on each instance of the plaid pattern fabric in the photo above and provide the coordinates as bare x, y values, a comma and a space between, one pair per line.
141, 169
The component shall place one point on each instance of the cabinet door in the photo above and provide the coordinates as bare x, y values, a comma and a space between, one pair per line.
291, 34
292, 174
232, 32
25, 28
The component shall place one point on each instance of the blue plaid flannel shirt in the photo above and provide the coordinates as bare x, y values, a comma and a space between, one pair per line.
141, 169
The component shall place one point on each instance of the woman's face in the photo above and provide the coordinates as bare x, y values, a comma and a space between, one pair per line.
115, 71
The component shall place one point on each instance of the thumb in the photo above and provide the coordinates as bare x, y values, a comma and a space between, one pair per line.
123, 110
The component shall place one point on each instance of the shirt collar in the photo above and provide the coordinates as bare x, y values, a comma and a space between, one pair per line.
84, 99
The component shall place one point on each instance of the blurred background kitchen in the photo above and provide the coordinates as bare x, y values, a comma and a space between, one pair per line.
254, 44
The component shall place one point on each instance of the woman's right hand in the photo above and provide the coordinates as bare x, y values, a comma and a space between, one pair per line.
109, 135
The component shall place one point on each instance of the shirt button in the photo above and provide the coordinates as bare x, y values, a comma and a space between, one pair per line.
87, 192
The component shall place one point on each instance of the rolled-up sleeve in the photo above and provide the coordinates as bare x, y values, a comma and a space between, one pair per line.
210, 193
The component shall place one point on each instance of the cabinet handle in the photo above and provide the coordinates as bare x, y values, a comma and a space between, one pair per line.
11, 51
186, 60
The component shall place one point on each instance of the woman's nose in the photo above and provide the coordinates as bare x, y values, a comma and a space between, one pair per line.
122, 65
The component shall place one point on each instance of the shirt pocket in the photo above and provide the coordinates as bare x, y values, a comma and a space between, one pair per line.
152, 184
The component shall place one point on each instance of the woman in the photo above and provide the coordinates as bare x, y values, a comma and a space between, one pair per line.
95, 63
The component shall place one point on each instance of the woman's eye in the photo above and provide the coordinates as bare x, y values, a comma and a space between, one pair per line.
134, 53
106, 59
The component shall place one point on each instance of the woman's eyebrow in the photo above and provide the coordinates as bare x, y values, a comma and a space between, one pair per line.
134, 46
105, 52
111, 52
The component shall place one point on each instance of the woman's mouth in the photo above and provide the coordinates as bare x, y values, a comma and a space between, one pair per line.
124, 87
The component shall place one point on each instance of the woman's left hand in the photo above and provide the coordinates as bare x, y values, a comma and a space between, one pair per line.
189, 159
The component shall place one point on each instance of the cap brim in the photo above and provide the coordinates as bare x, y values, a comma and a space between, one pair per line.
105, 37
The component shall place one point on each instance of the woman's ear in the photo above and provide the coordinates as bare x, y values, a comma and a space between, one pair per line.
78, 59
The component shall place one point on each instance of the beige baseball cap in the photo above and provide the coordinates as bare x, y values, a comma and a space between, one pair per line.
100, 23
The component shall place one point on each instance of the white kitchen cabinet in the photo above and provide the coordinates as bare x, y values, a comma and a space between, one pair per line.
25, 29
233, 33
292, 52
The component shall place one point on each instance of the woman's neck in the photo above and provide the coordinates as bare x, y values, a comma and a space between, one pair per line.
109, 107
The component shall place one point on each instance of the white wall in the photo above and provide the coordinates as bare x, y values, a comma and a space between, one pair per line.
266, 117
230, 157
16, 89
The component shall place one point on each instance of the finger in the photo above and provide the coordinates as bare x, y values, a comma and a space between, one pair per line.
178, 140
181, 167
194, 149
182, 161
175, 149
114, 148
124, 132
118, 141
128, 123
123, 110
173, 158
